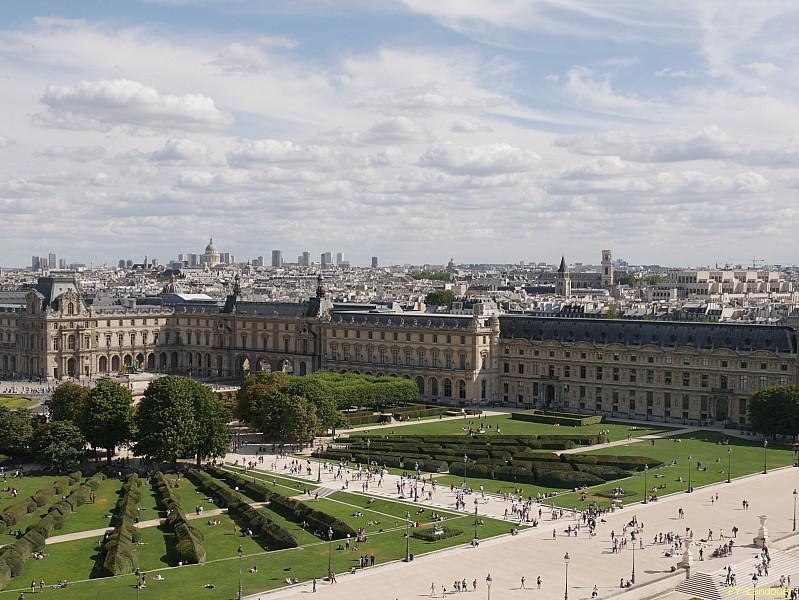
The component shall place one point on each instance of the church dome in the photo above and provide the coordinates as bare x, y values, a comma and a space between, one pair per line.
210, 247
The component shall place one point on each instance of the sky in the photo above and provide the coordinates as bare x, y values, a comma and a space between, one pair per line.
484, 130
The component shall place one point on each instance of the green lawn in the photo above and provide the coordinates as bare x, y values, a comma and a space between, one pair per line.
510, 427
282, 484
17, 402
746, 458
94, 516
75, 560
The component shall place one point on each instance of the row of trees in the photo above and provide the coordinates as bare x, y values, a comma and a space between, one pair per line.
775, 411
293, 409
177, 418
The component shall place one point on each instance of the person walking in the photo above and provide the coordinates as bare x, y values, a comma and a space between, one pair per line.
432, 590
33, 586
538, 582
595, 591
521, 587
314, 585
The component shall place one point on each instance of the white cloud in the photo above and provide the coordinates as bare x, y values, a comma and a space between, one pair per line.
710, 142
485, 160
676, 73
5, 142
763, 69
181, 150
278, 152
467, 126
595, 92
277, 41
75, 153
101, 179
105, 104
395, 130
240, 58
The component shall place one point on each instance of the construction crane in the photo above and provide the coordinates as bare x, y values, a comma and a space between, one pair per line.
755, 261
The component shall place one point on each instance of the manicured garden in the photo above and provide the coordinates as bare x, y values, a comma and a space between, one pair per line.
383, 521
16, 402
508, 426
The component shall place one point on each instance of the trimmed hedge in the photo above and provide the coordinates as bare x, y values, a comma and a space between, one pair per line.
276, 536
119, 557
190, 545
427, 534
292, 509
556, 418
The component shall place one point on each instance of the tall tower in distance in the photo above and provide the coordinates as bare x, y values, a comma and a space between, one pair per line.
563, 284
607, 268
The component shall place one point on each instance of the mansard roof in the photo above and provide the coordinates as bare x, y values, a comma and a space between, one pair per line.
659, 333
292, 310
434, 321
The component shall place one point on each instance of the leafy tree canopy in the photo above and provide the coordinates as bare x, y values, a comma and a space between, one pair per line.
59, 444
67, 403
165, 420
16, 429
108, 416
440, 298
433, 275
775, 410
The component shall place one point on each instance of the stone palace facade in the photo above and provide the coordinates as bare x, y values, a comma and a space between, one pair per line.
665, 371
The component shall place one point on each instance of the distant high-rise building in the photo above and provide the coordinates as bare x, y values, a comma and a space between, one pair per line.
129, 262
306, 259
259, 262
193, 260
62, 263
277, 258
121, 263
35, 266
52, 261
226, 258
374, 262
339, 258
326, 258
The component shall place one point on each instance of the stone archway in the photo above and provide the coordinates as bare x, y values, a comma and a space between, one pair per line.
162, 361
286, 366
139, 361
128, 360
71, 367
102, 364
420, 385
115, 363
550, 396
151, 362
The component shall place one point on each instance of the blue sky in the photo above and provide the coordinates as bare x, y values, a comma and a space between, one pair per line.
487, 130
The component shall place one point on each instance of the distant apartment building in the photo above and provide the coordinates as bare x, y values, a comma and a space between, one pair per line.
277, 258
305, 259
374, 262
326, 259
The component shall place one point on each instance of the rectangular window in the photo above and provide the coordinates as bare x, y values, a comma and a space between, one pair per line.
582, 371
650, 376
521, 368
615, 373
633, 375
763, 382
667, 378
704, 380
763, 366
743, 384
783, 380
505, 367
686, 361
686, 378
462, 361
463, 339
705, 361
743, 364
667, 359
582, 392
599, 373
567, 371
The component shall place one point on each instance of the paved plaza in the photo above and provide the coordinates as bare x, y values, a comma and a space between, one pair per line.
534, 552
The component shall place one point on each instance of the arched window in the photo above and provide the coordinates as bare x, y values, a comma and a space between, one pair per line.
447, 388
434, 387
461, 389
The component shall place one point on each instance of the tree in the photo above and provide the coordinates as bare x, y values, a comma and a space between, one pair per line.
613, 311
68, 403
320, 397
16, 429
165, 420
288, 419
440, 298
108, 416
59, 444
255, 387
775, 410
627, 280
212, 417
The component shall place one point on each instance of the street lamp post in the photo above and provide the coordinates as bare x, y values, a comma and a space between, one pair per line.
632, 578
566, 559
319, 473
407, 537
729, 464
794, 509
241, 579
475, 515
690, 489
465, 458
330, 554
754, 586
368, 455
138, 583
765, 449
488, 585
646, 489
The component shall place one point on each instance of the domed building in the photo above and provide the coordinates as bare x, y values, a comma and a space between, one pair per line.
211, 256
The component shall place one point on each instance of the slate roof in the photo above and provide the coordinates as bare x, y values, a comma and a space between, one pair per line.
437, 321
637, 333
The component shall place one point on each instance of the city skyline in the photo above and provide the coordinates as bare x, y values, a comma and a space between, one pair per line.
490, 132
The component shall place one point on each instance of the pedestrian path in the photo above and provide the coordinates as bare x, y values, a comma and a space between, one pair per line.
82, 535
711, 584
632, 440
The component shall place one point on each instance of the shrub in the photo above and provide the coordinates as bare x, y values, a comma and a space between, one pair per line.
189, 546
94, 481
5, 573
13, 559
427, 534
567, 479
